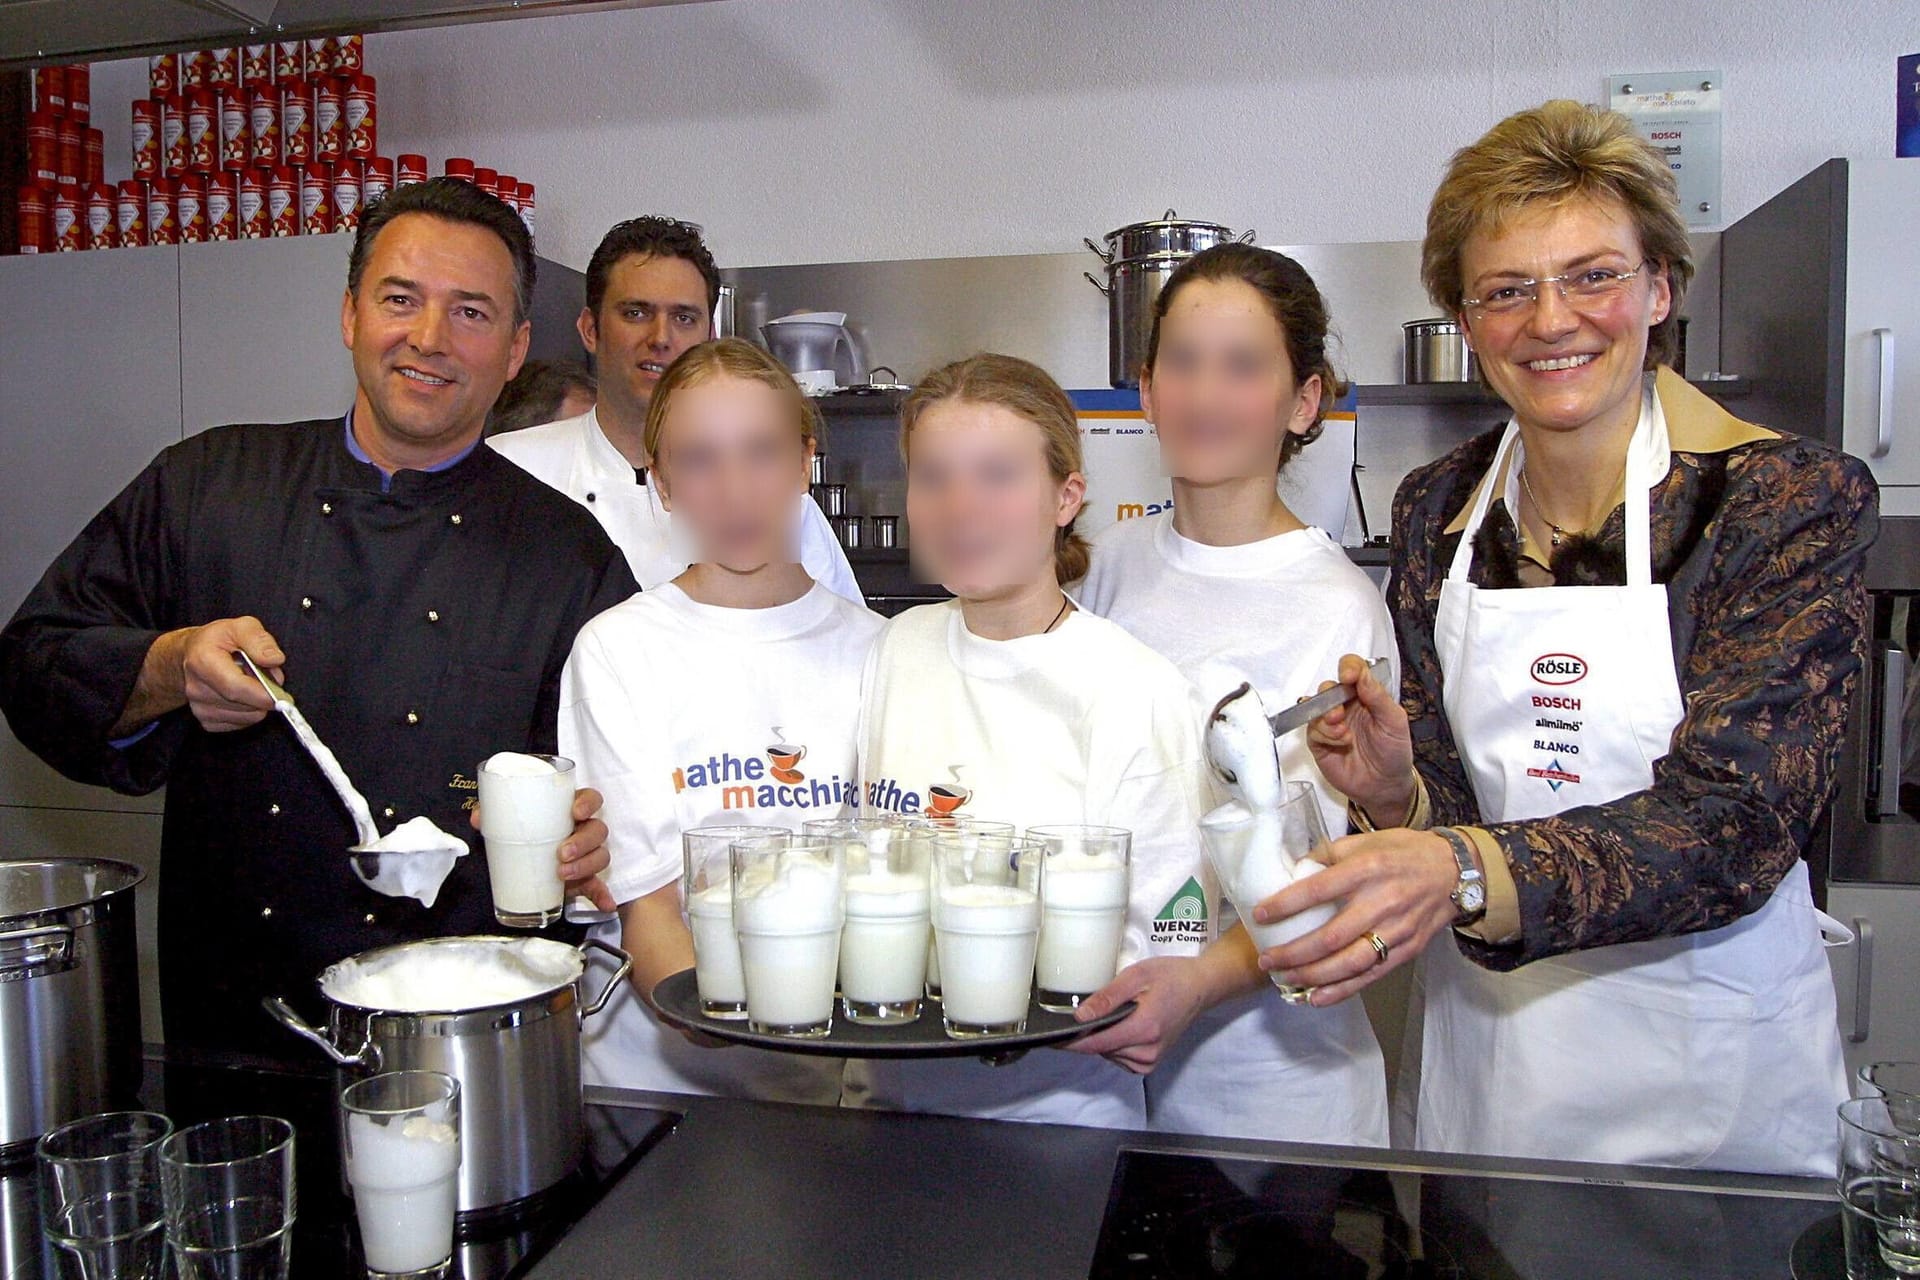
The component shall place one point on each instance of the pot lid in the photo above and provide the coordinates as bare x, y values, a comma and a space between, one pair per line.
452, 975
34, 886
1168, 219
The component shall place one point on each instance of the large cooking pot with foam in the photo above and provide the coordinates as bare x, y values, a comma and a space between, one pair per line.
500, 1015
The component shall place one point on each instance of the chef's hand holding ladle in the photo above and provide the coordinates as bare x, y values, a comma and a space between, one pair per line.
193, 667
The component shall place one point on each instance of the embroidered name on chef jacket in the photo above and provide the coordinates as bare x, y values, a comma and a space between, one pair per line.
771, 778
1557, 720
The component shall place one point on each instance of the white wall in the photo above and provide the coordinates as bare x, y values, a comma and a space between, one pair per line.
843, 130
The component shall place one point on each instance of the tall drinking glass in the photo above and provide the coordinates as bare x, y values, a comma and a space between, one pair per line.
229, 1191
787, 911
706, 895
1257, 854
400, 1137
100, 1199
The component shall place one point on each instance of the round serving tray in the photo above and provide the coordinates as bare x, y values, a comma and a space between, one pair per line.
678, 1001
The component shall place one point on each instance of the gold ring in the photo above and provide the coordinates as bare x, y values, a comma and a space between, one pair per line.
1379, 945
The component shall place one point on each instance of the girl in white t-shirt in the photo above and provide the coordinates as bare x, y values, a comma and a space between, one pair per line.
1009, 703
676, 703
1231, 585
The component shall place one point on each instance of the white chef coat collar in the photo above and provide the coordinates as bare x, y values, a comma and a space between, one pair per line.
604, 461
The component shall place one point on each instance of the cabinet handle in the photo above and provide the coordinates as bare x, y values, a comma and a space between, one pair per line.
1892, 750
1883, 431
1862, 981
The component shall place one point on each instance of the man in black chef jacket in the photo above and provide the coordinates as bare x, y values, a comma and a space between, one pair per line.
419, 596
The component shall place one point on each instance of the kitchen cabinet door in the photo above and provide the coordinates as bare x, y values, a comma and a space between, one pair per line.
90, 366
1874, 977
1881, 412
259, 331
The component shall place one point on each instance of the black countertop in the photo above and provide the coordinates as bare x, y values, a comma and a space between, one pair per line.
743, 1188
715, 1187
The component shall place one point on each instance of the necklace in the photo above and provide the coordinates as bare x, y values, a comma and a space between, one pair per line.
1064, 602
1558, 534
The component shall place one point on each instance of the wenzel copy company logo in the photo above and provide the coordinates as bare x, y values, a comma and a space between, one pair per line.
1559, 668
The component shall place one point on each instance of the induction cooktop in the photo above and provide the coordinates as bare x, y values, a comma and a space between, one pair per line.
1182, 1216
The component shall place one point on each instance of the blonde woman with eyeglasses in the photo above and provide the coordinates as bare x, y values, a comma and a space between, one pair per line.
1630, 628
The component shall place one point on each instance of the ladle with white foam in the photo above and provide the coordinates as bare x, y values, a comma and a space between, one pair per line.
411, 861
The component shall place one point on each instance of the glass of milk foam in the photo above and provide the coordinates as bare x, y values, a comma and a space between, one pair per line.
526, 811
954, 824
787, 913
883, 945
706, 895
986, 927
1084, 883
1256, 855
400, 1135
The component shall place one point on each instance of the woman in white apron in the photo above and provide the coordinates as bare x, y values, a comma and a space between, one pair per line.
669, 701
1630, 626
1231, 585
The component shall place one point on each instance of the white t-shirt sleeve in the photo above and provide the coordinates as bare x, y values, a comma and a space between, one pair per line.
821, 554
619, 747
1164, 789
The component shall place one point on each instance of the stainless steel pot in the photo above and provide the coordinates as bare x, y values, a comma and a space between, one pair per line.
1139, 258
723, 322
1436, 351
69, 994
518, 1064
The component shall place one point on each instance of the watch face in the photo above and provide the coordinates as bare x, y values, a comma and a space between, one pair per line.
1473, 896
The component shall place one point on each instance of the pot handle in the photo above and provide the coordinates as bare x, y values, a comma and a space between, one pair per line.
283, 1013
1104, 288
26, 950
620, 973
1246, 237
1105, 255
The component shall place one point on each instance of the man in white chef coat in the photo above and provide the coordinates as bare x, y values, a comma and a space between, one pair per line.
651, 289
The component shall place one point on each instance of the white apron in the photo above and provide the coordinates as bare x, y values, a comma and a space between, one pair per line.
1716, 1049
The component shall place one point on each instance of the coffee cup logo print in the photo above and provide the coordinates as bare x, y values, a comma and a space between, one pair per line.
945, 797
785, 757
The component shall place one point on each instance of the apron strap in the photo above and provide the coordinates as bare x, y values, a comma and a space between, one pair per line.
1646, 458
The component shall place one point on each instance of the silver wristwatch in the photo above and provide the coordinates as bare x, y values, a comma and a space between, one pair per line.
1470, 891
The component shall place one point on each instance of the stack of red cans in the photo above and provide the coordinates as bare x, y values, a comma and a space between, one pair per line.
65, 165
247, 142
292, 148
516, 193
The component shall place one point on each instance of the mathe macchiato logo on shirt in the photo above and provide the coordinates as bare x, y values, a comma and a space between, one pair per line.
768, 779
940, 800
1184, 918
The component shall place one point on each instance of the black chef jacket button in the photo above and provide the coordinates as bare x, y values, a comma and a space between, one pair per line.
387, 812
455, 517
370, 919
326, 508
274, 809
306, 602
266, 913
413, 717
433, 615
